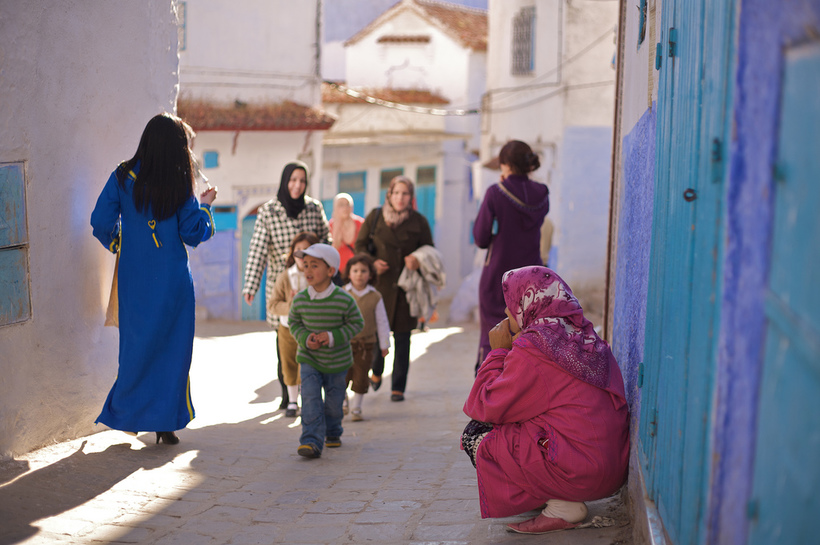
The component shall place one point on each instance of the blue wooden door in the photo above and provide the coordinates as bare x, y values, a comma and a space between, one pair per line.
255, 311
682, 310
784, 501
426, 203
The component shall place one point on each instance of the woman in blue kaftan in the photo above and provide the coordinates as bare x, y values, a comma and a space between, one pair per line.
148, 212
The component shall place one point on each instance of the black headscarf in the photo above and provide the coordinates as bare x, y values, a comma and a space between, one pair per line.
293, 207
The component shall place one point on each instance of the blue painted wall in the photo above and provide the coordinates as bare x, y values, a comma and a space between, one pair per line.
214, 268
632, 265
765, 28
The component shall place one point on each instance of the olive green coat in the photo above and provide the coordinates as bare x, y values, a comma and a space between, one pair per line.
393, 245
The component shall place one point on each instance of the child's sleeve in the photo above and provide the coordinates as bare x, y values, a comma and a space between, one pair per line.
382, 325
295, 323
352, 321
279, 304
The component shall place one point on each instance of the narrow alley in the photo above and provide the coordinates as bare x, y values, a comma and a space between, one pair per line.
236, 479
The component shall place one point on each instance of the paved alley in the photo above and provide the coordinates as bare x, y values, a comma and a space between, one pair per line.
236, 479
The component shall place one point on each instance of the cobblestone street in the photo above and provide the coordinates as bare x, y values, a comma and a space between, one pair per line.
235, 478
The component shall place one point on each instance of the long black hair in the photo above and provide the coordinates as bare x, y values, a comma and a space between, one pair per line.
166, 171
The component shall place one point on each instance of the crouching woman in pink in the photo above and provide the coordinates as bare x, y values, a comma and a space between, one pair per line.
550, 420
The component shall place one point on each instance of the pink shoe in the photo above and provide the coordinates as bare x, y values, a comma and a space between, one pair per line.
541, 525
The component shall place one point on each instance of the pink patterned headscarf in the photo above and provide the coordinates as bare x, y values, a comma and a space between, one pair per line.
551, 318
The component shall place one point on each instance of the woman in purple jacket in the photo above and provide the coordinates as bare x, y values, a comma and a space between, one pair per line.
509, 226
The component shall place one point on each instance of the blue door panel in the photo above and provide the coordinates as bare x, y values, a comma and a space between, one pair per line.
784, 500
426, 203
256, 310
682, 310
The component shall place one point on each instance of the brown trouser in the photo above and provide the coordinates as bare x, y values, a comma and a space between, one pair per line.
362, 359
287, 351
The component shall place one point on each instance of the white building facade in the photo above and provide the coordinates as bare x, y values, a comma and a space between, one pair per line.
431, 56
250, 87
550, 83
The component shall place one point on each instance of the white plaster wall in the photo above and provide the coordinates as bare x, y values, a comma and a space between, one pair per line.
440, 66
639, 77
545, 107
580, 194
252, 50
530, 107
371, 120
76, 95
548, 47
334, 65
588, 22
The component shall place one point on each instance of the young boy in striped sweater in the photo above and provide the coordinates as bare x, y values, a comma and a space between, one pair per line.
323, 318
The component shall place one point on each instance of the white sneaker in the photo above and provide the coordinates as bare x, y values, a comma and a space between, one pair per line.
357, 415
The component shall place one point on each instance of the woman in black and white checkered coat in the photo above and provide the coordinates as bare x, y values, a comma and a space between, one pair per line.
277, 222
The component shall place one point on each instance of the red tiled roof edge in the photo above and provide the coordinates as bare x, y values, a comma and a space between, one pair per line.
203, 115
334, 95
468, 25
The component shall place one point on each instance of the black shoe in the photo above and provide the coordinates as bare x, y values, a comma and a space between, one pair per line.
397, 397
309, 451
333, 442
167, 437
373, 384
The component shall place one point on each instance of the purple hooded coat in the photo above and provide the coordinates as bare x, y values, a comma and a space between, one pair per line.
516, 244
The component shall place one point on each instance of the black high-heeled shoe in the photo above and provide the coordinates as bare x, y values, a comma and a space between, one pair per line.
167, 437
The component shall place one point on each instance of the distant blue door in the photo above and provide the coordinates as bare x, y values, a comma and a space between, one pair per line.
682, 310
426, 203
426, 194
255, 311
786, 487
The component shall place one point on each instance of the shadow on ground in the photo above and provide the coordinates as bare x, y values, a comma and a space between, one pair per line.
67, 484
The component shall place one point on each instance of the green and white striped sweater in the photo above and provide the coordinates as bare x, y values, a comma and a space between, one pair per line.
336, 313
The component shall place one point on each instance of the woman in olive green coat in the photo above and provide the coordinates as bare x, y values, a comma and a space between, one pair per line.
397, 231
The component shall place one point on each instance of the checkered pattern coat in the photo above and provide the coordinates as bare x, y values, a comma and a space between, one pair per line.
270, 243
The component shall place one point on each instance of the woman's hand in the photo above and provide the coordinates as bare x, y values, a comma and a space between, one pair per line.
208, 196
411, 262
381, 266
501, 336
385, 352
249, 298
